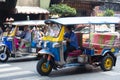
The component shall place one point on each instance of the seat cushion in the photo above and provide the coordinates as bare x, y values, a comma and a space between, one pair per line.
75, 53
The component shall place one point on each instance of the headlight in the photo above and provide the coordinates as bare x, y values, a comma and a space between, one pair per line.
46, 43
10, 38
1, 48
56, 45
40, 44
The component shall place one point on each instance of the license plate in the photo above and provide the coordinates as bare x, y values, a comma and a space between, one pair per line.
33, 49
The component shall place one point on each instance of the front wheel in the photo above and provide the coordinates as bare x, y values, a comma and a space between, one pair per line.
107, 63
3, 57
43, 68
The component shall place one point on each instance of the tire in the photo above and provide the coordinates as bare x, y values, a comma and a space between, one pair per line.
41, 67
4, 57
107, 63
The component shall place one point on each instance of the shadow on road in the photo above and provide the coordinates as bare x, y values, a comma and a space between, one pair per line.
15, 60
74, 71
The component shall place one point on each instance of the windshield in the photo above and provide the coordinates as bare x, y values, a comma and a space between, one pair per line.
52, 30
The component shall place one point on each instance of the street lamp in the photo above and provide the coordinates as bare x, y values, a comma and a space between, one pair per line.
28, 17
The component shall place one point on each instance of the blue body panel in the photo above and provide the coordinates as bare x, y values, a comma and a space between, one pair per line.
88, 51
108, 50
33, 44
91, 52
7, 43
53, 51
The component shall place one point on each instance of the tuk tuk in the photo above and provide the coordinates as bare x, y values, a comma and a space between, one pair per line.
10, 42
100, 50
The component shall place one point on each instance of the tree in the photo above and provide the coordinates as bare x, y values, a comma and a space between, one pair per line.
108, 12
62, 10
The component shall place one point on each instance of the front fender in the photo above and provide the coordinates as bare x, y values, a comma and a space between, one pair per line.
1, 44
45, 51
112, 54
105, 51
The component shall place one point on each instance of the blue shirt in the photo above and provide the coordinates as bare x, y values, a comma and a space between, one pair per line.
28, 36
73, 39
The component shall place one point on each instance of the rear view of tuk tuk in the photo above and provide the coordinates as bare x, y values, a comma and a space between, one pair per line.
100, 49
9, 46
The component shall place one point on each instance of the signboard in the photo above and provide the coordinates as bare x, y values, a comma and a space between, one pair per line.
44, 3
2, 0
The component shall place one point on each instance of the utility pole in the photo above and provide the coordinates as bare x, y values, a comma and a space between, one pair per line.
28, 17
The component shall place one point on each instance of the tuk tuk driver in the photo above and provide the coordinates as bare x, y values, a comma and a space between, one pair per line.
7, 31
71, 40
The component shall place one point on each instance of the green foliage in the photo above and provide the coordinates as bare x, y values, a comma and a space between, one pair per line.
109, 12
62, 10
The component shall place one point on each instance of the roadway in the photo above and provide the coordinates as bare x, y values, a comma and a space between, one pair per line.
25, 69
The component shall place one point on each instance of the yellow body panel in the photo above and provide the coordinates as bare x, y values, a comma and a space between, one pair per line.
55, 39
14, 32
5, 34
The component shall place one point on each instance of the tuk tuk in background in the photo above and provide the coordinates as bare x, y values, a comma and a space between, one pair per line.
9, 46
100, 50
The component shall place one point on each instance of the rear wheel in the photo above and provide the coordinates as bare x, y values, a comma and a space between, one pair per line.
107, 63
43, 68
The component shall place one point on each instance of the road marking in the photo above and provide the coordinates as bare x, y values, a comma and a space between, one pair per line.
15, 74
111, 73
9, 69
4, 65
33, 78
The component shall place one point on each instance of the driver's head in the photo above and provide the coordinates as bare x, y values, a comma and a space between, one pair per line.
68, 28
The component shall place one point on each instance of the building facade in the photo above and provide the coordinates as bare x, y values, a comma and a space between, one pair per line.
12, 8
6, 7
28, 3
88, 7
31, 8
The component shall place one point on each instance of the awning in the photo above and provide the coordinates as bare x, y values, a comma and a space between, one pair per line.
28, 22
30, 10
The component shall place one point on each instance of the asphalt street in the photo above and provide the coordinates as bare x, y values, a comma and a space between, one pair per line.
25, 69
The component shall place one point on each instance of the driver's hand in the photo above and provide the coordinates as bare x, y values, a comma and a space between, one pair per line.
67, 39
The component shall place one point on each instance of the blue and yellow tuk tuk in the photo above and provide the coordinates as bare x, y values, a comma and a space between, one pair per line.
10, 42
100, 49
